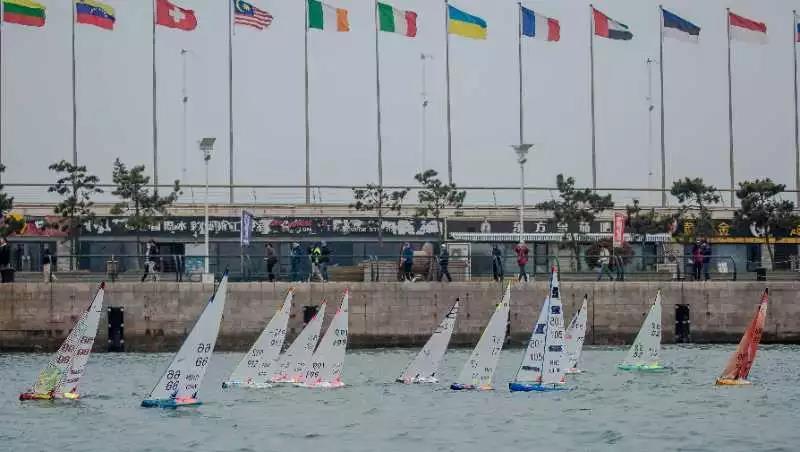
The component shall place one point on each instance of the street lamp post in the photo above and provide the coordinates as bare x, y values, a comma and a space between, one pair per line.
522, 158
206, 146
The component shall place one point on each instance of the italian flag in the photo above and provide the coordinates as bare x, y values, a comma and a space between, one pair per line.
23, 12
397, 21
326, 17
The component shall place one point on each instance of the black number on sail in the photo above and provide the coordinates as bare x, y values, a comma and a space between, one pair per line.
203, 348
201, 362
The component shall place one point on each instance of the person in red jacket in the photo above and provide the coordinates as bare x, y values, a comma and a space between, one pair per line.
522, 259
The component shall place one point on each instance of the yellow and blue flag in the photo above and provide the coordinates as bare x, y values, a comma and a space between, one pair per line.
464, 24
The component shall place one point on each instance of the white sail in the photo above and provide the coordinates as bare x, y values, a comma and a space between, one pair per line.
426, 364
294, 359
530, 370
325, 368
554, 365
480, 367
260, 363
575, 336
185, 373
67, 366
646, 349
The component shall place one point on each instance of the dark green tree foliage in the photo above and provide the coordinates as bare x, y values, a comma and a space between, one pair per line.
695, 198
139, 205
76, 186
762, 207
435, 196
8, 224
575, 206
643, 222
374, 198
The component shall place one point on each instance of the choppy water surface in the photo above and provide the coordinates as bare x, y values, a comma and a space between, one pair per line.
606, 409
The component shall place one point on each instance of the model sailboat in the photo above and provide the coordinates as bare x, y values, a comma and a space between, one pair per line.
645, 352
573, 339
259, 365
293, 362
543, 365
63, 373
739, 365
178, 386
479, 369
325, 368
424, 367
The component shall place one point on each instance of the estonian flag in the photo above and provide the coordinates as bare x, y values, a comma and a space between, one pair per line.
606, 27
679, 28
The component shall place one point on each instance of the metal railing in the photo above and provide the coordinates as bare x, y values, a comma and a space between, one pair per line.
386, 268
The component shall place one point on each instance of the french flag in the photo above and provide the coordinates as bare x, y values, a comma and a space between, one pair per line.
540, 27
744, 29
606, 27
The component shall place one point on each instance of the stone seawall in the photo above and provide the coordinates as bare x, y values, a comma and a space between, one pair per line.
158, 315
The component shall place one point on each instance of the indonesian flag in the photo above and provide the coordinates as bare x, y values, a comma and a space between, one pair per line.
173, 16
744, 29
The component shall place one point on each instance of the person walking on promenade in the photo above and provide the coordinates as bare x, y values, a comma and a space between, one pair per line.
497, 263
407, 259
315, 253
603, 262
296, 260
324, 260
706, 249
5, 260
150, 259
47, 265
272, 259
522, 259
444, 262
697, 259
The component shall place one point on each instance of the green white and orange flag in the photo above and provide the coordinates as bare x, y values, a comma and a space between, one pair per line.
393, 20
23, 12
326, 17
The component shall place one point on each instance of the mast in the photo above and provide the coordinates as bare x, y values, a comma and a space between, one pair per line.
663, 135
591, 73
730, 107
449, 121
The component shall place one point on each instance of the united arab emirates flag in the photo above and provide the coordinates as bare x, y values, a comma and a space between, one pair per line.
609, 28
394, 20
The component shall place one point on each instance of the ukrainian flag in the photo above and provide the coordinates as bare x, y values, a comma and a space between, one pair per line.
466, 25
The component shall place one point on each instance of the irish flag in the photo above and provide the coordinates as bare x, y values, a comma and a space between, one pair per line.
744, 29
326, 17
23, 12
397, 21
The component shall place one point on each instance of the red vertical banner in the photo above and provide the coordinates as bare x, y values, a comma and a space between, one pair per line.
619, 229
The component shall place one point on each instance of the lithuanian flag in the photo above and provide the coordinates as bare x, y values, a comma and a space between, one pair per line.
23, 12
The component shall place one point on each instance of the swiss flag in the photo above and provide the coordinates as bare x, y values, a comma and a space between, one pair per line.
173, 16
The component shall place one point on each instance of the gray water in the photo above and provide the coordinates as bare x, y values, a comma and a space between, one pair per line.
605, 410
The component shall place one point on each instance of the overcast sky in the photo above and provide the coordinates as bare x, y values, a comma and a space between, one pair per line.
114, 96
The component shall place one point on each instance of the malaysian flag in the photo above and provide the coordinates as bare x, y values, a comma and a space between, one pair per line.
247, 14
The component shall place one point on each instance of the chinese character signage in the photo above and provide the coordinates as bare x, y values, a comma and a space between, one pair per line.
619, 229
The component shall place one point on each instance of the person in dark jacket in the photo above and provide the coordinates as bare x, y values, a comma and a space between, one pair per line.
271, 259
48, 260
697, 259
497, 263
407, 258
444, 262
296, 261
706, 250
150, 260
5, 260
324, 260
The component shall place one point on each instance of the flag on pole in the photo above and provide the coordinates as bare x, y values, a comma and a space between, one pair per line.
24, 12
538, 26
173, 16
797, 29
393, 20
463, 24
748, 30
92, 12
246, 228
249, 15
326, 17
605, 27
677, 27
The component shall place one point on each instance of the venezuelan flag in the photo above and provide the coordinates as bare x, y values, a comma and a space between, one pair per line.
92, 12
466, 25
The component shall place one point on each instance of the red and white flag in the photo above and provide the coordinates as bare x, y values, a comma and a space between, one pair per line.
748, 30
173, 16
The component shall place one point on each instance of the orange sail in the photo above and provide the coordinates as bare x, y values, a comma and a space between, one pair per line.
738, 367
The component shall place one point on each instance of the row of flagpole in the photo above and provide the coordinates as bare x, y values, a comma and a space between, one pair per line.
448, 100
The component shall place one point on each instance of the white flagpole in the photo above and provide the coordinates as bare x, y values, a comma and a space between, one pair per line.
308, 130
2, 84
730, 110
74, 92
230, 99
796, 114
591, 72
663, 135
449, 120
521, 92
155, 109
378, 96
